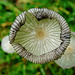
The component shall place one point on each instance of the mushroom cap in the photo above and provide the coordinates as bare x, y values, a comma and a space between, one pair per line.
6, 46
68, 58
40, 35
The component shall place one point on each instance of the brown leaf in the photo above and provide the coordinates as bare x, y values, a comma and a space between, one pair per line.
6, 24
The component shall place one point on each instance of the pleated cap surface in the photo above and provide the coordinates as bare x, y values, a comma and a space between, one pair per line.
40, 35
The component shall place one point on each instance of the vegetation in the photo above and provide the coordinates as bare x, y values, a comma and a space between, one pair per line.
13, 64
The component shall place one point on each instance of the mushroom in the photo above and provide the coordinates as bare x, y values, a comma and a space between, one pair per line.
68, 58
40, 35
6, 46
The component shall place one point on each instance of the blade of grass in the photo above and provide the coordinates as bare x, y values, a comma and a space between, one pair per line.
42, 70
52, 70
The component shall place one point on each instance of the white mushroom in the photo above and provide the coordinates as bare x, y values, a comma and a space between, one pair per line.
68, 58
40, 35
6, 46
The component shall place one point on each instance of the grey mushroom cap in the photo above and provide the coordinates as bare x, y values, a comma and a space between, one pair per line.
40, 14
68, 58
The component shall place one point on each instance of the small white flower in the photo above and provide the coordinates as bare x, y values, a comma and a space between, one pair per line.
68, 59
6, 46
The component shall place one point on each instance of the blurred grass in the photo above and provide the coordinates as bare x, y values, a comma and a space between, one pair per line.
13, 64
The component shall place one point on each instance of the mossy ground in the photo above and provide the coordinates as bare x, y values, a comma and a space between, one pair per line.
13, 64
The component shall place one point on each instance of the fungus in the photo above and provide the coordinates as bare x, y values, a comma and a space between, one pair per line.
68, 58
40, 35
6, 46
